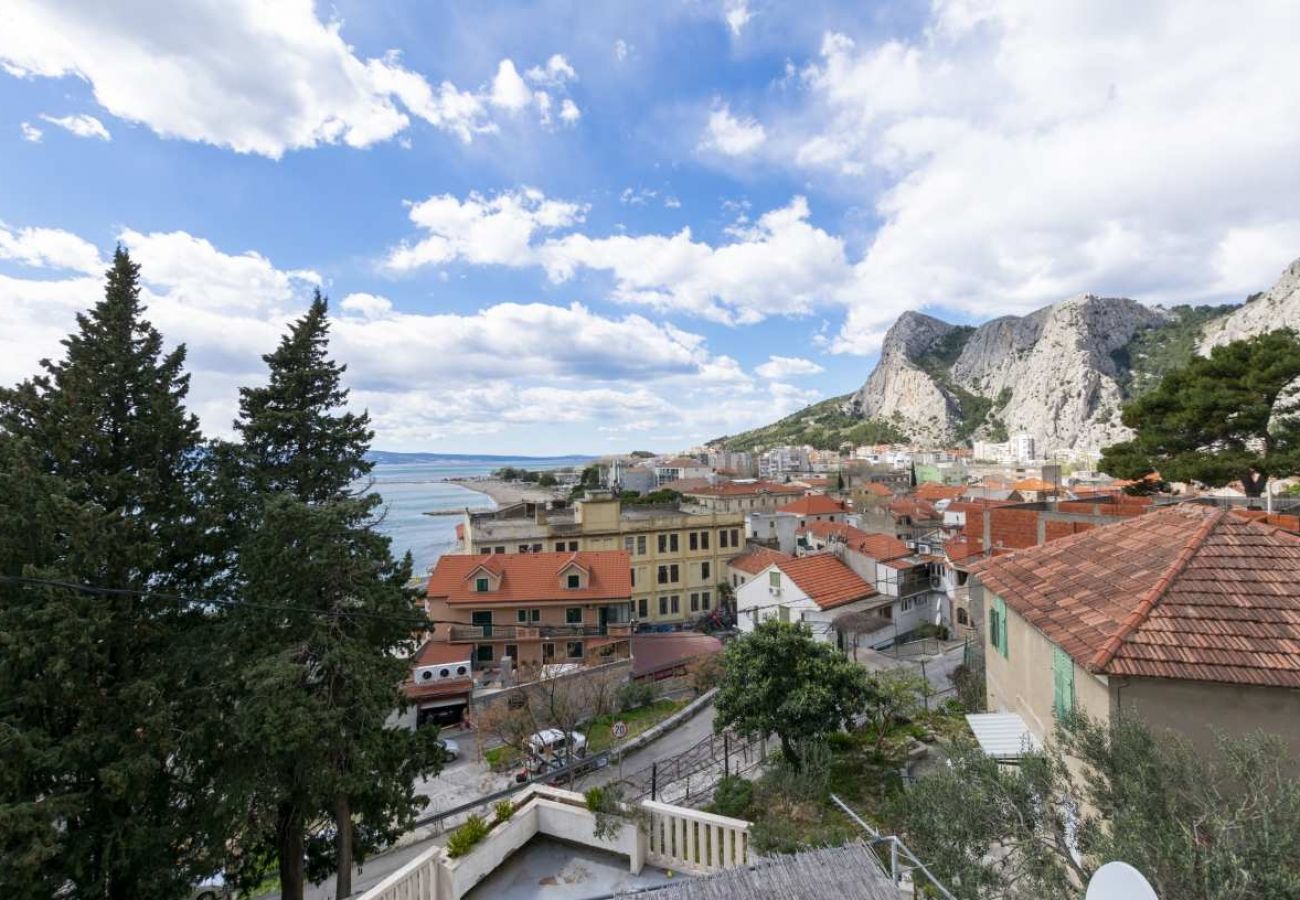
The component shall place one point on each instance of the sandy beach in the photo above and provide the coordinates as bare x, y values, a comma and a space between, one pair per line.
507, 492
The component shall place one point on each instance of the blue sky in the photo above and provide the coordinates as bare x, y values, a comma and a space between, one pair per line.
551, 228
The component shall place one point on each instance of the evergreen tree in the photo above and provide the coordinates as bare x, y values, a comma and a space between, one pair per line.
322, 649
100, 469
1222, 418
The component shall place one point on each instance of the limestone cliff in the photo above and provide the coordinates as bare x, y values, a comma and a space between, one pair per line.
1278, 307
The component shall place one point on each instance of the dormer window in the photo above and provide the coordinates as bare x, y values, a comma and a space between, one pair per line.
482, 585
573, 580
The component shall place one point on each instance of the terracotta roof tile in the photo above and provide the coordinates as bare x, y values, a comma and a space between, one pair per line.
878, 489
748, 488
932, 490
814, 505
879, 546
655, 652
827, 581
757, 560
1187, 592
532, 577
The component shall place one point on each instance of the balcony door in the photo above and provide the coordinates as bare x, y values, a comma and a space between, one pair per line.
483, 619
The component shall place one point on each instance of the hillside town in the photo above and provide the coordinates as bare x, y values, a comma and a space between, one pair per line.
696, 450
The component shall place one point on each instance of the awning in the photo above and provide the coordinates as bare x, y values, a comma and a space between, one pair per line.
1003, 735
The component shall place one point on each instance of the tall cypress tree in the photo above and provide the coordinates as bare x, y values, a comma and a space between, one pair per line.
322, 654
100, 466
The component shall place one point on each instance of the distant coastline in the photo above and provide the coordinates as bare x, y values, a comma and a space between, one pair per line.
390, 457
506, 493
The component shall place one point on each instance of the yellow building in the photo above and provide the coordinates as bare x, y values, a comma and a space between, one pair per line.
678, 556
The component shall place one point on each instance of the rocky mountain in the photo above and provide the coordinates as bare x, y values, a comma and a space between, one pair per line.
1278, 307
1061, 373
1056, 374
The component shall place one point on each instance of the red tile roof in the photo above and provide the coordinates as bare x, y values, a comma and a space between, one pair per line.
932, 490
824, 529
877, 488
879, 546
1188, 592
962, 548
909, 506
1034, 484
653, 653
532, 577
684, 485
814, 505
746, 489
757, 560
827, 581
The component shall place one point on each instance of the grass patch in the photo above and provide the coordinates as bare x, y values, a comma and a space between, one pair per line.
601, 735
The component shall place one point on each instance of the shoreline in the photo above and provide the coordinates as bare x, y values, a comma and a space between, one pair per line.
506, 493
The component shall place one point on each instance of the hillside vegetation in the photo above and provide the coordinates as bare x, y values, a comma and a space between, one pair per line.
1154, 352
823, 425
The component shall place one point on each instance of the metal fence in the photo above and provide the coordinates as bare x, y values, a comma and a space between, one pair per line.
690, 777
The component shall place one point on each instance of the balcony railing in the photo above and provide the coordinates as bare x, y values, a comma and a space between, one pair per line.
520, 633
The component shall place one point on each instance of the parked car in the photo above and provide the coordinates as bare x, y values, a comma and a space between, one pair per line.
551, 750
211, 891
450, 747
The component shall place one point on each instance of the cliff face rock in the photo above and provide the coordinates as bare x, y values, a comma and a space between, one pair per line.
1050, 374
1278, 307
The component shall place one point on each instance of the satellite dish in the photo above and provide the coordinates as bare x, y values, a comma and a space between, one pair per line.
1119, 881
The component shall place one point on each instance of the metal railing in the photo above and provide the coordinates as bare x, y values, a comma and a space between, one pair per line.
516, 633
903, 863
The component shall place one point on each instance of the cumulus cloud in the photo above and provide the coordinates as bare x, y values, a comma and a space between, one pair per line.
81, 124
556, 73
780, 264
423, 374
778, 367
737, 15
31, 133
298, 83
1030, 151
730, 135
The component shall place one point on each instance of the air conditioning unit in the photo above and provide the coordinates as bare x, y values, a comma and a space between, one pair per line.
431, 674
936, 582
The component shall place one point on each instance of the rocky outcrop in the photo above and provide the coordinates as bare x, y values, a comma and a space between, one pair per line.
1050, 374
1278, 307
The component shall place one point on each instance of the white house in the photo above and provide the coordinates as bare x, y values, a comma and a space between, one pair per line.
781, 527
811, 589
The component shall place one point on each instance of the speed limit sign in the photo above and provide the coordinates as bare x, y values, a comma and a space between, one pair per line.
620, 730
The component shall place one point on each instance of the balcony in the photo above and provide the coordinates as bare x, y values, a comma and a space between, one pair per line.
515, 634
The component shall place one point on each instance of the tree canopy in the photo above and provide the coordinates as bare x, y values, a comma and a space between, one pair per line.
1218, 419
780, 680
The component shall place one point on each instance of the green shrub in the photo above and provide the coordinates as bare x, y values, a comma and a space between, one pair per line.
635, 694
503, 810
464, 838
733, 797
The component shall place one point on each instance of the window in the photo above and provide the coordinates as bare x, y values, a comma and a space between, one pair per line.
774, 578
537, 548
512, 651
663, 606
695, 602
633, 571
674, 600
574, 581
735, 537
559, 546
575, 649
526, 616
573, 615
704, 540
1062, 683
722, 539
523, 548
483, 653
693, 540
640, 545
573, 546
643, 608
498, 549
482, 585
548, 651
673, 544
663, 543
783, 613
629, 544
705, 599
705, 571
962, 618
998, 627
663, 575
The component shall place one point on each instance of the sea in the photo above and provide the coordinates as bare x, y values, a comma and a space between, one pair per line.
414, 484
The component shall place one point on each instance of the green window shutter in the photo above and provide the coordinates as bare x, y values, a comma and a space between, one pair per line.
1000, 616
1062, 682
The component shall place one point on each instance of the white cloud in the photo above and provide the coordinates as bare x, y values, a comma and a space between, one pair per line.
778, 367
779, 265
672, 202
556, 73
737, 15
730, 135
50, 248
508, 89
31, 133
621, 49
569, 111
509, 368
1030, 151
297, 83
494, 230
81, 124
